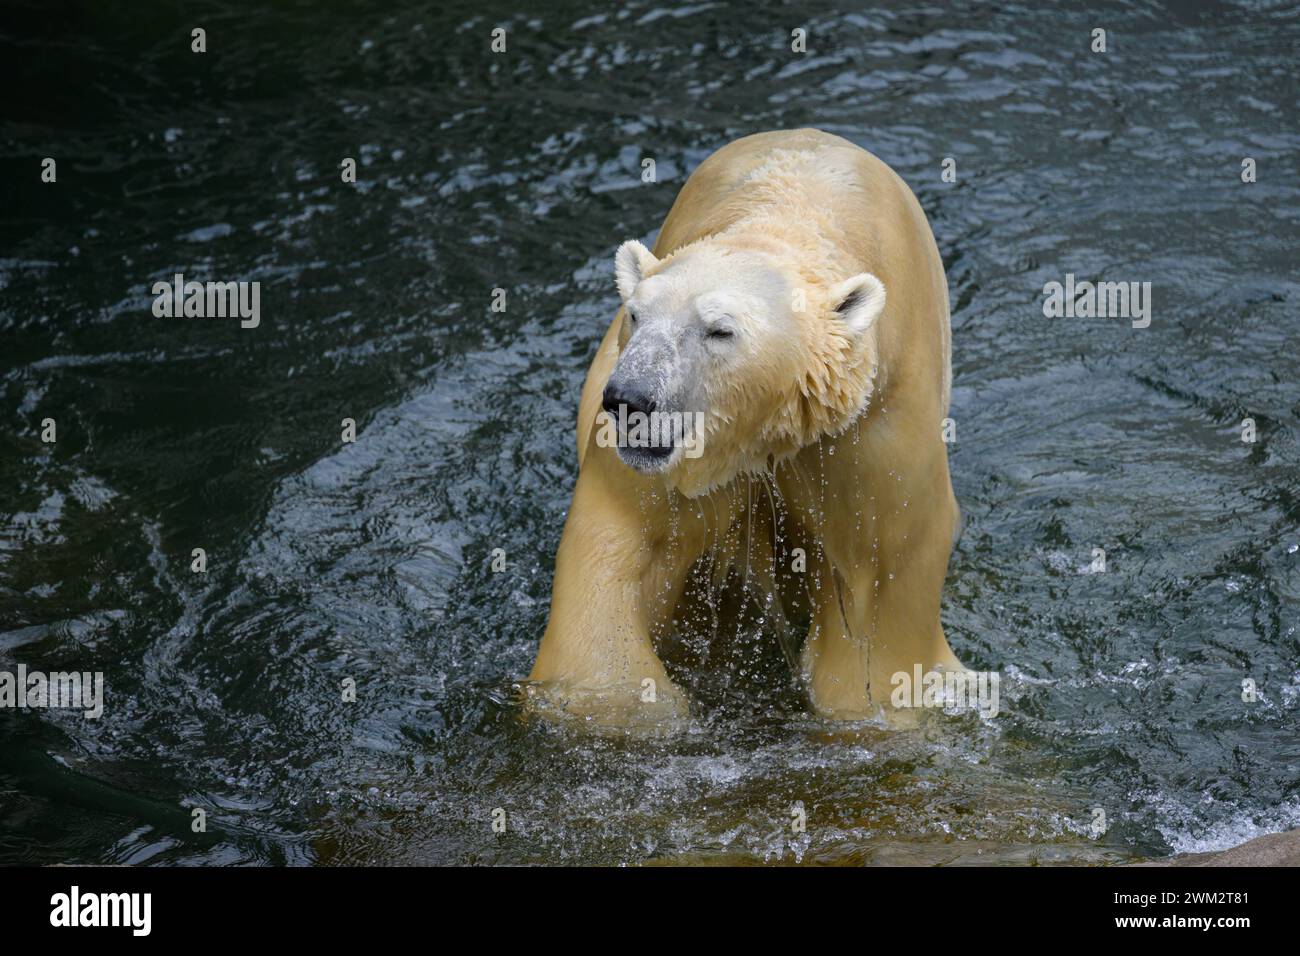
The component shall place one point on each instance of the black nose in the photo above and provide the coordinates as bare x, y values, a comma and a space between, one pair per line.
620, 393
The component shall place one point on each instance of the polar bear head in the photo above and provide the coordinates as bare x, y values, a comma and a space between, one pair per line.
733, 357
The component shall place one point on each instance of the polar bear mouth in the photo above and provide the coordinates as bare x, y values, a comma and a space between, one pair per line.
648, 460
650, 441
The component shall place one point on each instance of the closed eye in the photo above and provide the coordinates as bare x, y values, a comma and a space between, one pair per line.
721, 333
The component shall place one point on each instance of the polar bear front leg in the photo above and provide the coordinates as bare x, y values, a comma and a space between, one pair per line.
597, 658
877, 618
837, 667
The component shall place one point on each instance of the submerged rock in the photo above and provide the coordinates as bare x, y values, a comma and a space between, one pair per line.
1272, 849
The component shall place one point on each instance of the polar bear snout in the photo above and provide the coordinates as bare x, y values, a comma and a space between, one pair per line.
645, 437
626, 394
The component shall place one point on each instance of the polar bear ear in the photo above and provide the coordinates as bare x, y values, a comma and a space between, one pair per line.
631, 263
859, 301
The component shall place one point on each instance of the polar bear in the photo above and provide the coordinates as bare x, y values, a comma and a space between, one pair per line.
792, 326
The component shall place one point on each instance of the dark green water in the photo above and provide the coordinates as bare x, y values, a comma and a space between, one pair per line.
1121, 690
